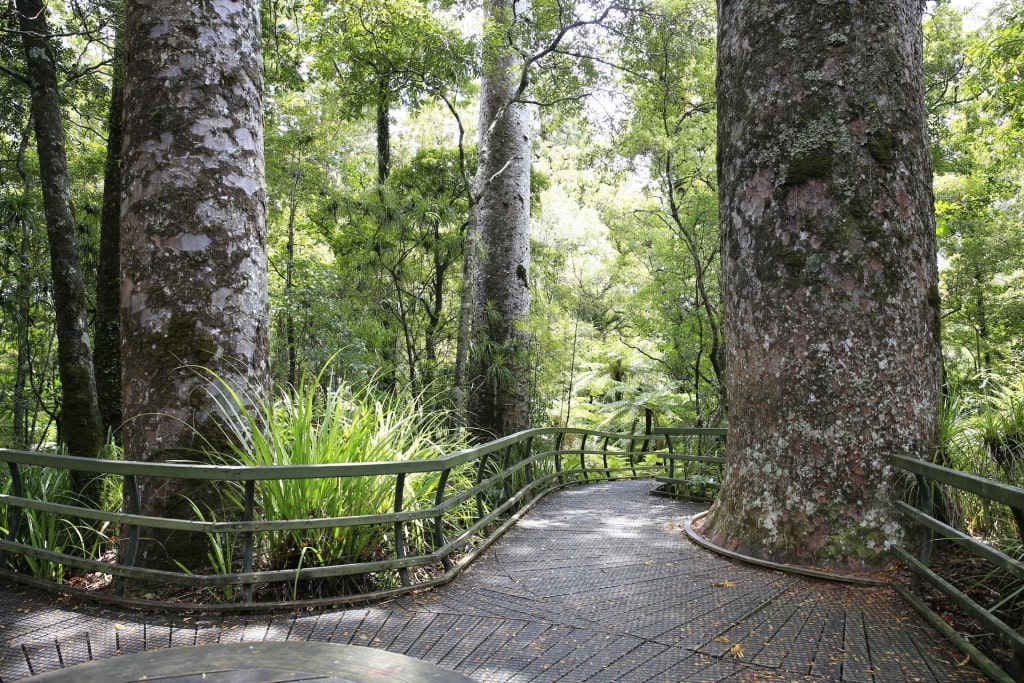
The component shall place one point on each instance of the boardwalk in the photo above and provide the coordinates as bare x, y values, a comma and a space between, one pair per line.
598, 583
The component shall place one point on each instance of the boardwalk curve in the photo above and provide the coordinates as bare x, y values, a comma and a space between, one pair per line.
597, 583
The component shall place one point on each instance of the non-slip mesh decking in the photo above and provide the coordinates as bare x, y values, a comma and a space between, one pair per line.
597, 583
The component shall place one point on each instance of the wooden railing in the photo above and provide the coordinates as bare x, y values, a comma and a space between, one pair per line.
928, 477
477, 494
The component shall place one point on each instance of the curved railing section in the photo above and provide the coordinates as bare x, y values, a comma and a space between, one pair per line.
474, 496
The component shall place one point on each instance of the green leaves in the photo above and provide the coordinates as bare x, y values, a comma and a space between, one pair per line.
389, 52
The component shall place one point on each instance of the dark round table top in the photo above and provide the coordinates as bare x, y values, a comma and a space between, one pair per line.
263, 662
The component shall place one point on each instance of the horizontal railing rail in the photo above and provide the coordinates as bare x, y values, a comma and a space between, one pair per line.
427, 544
476, 494
927, 476
696, 462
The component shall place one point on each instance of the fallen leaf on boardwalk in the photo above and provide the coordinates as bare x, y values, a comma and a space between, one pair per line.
736, 651
119, 627
723, 584
722, 639
967, 660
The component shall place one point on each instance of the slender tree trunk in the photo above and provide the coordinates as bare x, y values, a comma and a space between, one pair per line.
831, 296
193, 242
981, 316
289, 284
80, 423
383, 134
500, 397
19, 396
108, 280
460, 382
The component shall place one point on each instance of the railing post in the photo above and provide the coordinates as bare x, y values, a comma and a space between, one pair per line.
527, 452
632, 454
439, 520
558, 457
583, 457
925, 554
671, 461
403, 572
14, 512
248, 513
479, 479
508, 480
604, 458
131, 489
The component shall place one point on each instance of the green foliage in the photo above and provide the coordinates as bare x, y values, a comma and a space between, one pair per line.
979, 216
321, 421
400, 246
1000, 61
53, 531
384, 52
983, 433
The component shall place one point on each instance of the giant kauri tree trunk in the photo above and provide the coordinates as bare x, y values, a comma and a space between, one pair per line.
499, 400
832, 305
193, 240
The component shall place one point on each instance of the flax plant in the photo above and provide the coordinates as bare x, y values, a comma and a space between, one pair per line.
50, 531
323, 422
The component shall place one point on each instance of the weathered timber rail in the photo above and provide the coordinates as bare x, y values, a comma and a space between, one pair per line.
476, 494
928, 476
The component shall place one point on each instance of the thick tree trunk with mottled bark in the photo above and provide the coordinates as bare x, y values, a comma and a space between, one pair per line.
832, 307
80, 424
500, 399
193, 242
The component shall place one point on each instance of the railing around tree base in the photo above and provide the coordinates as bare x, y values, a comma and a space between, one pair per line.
474, 496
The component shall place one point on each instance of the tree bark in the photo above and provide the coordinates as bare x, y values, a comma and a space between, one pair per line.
80, 423
831, 296
107, 355
193, 242
500, 398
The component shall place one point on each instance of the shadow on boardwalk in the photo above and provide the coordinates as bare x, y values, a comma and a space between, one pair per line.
598, 583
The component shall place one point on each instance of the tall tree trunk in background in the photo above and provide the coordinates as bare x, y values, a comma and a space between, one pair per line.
832, 304
107, 355
22, 321
289, 283
80, 424
14, 216
463, 337
499, 401
193, 242
383, 132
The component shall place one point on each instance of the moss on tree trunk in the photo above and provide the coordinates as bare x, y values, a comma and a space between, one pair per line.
830, 274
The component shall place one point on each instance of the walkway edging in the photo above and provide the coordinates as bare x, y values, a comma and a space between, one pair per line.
788, 568
978, 658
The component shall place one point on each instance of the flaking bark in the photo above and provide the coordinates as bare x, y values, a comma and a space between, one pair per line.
193, 246
831, 295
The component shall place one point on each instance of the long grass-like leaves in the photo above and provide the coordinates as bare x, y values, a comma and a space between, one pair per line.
311, 425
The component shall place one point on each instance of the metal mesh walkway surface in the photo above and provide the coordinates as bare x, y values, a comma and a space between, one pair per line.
597, 583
